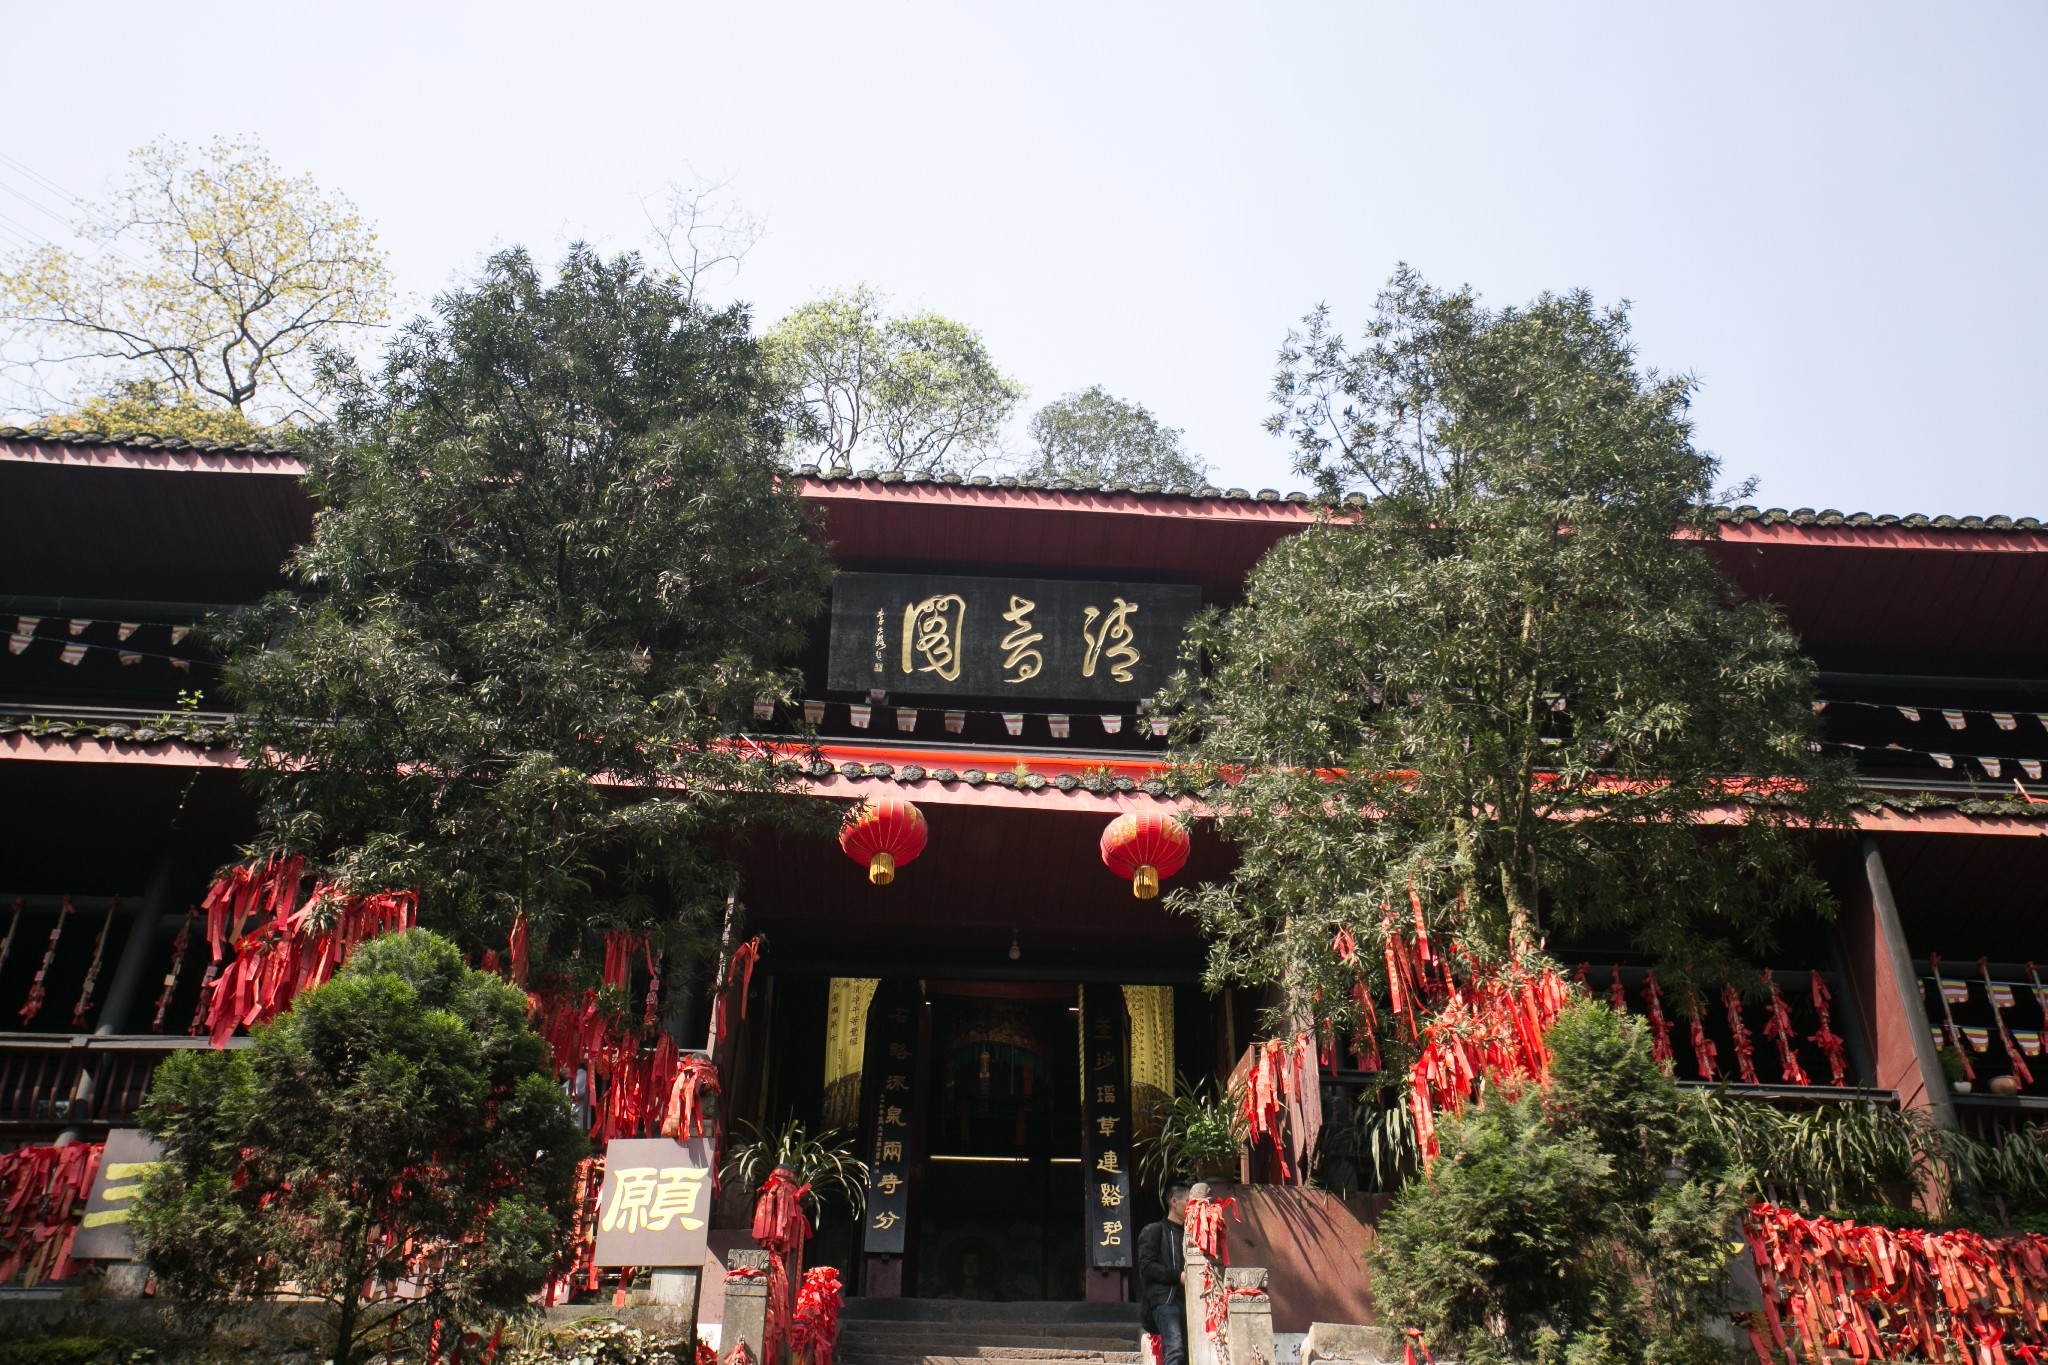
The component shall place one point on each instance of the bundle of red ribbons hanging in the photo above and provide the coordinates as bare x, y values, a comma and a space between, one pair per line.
780, 1229
582, 1236
1877, 1293
633, 1088
41, 1189
814, 1326
1488, 1025
288, 948
1280, 1087
1205, 1229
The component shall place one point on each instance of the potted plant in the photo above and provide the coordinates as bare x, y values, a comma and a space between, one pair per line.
1198, 1135
825, 1162
1953, 1070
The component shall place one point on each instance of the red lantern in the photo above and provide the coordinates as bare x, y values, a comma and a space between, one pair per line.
884, 835
1144, 847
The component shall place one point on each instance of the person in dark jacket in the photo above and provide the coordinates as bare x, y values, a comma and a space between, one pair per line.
1162, 1303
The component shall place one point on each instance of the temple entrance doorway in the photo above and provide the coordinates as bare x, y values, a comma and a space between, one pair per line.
1000, 1216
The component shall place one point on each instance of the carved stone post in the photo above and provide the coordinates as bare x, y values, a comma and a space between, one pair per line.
1193, 1279
1196, 1276
1250, 1332
746, 1305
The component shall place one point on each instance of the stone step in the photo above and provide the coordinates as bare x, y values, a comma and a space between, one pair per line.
1120, 1353
851, 1347
1116, 1358
1012, 1316
935, 1336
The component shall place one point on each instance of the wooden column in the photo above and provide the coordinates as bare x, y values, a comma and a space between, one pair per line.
1889, 993
119, 1014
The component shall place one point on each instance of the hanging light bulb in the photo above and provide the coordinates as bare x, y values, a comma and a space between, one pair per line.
1015, 951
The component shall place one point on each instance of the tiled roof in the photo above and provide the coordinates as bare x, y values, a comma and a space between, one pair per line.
100, 438
1769, 516
1806, 516
1205, 492
200, 731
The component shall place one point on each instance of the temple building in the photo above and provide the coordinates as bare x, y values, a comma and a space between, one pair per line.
998, 1021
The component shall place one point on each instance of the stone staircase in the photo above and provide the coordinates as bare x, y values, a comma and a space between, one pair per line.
954, 1332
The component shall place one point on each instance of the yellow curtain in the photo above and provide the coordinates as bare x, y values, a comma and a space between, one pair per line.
846, 1033
1151, 1012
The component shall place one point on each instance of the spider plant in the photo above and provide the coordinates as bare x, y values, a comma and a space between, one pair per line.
1198, 1133
1385, 1146
825, 1162
1860, 1153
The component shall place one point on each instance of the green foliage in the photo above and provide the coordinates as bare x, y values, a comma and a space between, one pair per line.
148, 407
552, 570
218, 276
1861, 1153
1575, 1225
1195, 1131
1373, 1148
2012, 1167
603, 1341
72, 1351
1095, 438
407, 1101
913, 394
826, 1162
1512, 680
1867, 1160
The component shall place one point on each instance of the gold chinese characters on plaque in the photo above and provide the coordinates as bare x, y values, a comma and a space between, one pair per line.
939, 635
655, 1203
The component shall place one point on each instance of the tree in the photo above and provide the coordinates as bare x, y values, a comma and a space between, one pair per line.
1552, 1228
918, 393
220, 278
555, 565
1510, 683
702, 231
1093, 437
148, 407
399, 1123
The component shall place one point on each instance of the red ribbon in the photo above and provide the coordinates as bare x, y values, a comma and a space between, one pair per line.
1826, 1040
281, 959
695, 1078
814, 1326
1745, 1050
41, 1188
1779, 1029
1894, 1294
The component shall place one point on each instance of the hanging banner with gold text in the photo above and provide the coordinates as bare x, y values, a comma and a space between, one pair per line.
891, 1077
1106, 1128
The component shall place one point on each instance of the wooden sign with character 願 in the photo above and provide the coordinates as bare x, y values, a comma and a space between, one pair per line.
655, 1203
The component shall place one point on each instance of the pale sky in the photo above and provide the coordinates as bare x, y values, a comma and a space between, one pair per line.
1831, 214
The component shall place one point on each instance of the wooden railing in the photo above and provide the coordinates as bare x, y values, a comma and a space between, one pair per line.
53, 1082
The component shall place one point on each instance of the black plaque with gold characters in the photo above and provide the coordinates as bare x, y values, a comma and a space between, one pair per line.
892, 1062
944, 635
1106, 1128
